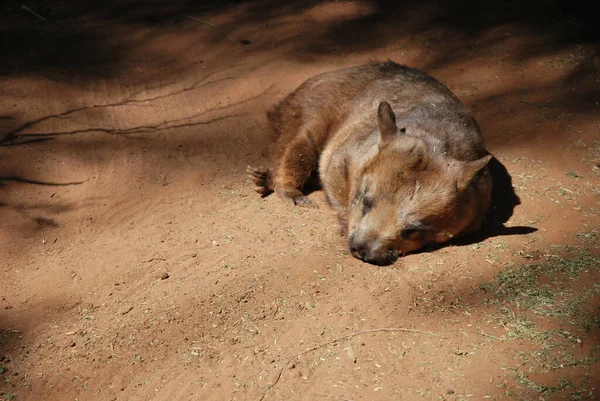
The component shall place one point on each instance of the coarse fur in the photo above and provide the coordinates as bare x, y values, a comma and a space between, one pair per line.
400, 158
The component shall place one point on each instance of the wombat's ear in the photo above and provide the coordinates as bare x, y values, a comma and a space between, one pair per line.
469, 170
387, 123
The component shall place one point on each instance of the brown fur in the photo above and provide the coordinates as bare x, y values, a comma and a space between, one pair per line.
401, 160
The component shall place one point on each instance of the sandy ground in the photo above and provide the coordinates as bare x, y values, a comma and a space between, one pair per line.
136, 262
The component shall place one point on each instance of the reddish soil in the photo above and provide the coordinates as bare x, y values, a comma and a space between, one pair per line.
137, 263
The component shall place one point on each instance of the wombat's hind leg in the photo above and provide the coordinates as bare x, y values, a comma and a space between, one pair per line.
262, 178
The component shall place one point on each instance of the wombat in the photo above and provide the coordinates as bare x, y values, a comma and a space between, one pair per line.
400, 158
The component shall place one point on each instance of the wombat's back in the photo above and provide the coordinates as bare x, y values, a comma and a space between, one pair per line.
323, 103
334, 91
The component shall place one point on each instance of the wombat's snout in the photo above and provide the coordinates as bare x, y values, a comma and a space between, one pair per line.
370, 251
358, 249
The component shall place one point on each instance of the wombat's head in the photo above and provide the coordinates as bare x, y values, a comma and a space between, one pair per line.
405, 197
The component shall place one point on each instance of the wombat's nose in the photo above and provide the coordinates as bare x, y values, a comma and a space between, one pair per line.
358, 249
371, 252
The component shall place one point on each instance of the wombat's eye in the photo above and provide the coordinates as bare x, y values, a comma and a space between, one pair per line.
413, 230
367, 205
409, 232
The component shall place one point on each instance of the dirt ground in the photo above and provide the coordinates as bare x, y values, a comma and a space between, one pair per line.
137, 263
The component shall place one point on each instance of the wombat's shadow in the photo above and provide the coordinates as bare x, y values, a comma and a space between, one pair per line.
504, 201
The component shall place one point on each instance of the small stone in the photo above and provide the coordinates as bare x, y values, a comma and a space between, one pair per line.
164, 276
450, 391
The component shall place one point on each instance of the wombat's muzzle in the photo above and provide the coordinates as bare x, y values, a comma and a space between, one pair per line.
371, 251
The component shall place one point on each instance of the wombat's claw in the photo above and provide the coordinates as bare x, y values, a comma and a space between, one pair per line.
260, 177
260, 182
258, 172
305, 201
262, 190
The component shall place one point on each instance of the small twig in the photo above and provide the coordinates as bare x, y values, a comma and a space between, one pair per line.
211, 25
127, 311
488, 335
240, 142
335, 397
153, 259
323, 246
276, 307
29, 10
342, 338
205, 23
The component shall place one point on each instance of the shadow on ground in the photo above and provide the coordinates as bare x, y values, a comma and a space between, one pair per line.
86, 38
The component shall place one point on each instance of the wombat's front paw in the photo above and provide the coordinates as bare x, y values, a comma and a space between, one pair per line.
305, 201
295, 196
261, 177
